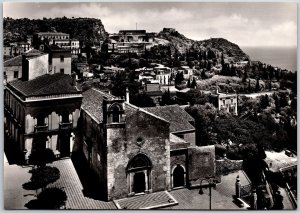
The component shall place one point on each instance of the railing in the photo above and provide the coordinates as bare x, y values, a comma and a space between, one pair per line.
246, 190
65, 126
40, 128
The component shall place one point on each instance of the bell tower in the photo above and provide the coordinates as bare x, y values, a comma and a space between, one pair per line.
113, 112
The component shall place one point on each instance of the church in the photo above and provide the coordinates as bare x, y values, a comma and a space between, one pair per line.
136, 150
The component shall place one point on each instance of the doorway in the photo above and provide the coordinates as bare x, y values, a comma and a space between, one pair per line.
178, 176
139, 184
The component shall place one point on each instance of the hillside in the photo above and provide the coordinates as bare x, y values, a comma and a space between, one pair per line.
229, 49
85, 29
178, 41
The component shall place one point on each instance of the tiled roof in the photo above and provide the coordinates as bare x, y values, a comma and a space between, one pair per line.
45, 85
92, 102
179, 119
34, 53
177, 142
16, 61
53, 33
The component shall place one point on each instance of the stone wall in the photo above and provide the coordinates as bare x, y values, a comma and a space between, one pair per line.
224, 166
37, 66
201, 164
178, 157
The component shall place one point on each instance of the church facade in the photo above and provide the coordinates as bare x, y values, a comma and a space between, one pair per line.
132, 150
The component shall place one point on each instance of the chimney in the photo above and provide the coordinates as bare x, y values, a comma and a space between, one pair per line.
127, 95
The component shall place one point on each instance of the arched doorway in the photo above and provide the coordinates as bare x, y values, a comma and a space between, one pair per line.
138, 173
178, 176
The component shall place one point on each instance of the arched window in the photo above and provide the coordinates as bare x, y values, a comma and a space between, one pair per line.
115, 114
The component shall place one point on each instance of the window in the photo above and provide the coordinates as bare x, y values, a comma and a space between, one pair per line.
116, 118
65, 117
62, 58
62, 71
16, 74
40, 120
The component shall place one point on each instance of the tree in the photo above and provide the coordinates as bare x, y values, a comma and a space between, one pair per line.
44, 175
249, 86
142, 100
41, 157
52, 198
166, 99
194, 84
188, 84
257, 87
179, 78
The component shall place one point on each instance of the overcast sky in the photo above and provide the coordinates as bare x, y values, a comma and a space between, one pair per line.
246, 24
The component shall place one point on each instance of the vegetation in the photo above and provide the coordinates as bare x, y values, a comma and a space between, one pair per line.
51, 198
41, 157
87, 30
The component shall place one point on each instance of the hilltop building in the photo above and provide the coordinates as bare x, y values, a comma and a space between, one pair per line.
130, 41
59, 39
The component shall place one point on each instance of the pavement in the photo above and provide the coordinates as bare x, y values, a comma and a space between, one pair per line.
15, 197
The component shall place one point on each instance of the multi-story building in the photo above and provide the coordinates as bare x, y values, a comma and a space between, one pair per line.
62, 40
15, 49
130, 41
42, 112
133, 151
48, 37
163, 74
224, 101
59, 59
70, 44
33, 60
13, 69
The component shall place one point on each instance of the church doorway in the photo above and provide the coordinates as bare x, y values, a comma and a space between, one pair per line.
139, 184
139, 174
178, 177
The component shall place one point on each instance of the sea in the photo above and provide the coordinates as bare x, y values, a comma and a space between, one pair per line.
282, 57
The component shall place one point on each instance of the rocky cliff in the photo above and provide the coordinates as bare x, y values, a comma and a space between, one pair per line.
90, 30
231, 51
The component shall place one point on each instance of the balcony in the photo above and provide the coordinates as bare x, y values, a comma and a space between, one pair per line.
65, 126
38, 129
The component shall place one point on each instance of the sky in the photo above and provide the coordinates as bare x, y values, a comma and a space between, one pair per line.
246, 24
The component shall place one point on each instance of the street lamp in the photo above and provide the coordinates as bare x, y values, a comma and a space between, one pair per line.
211, 183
